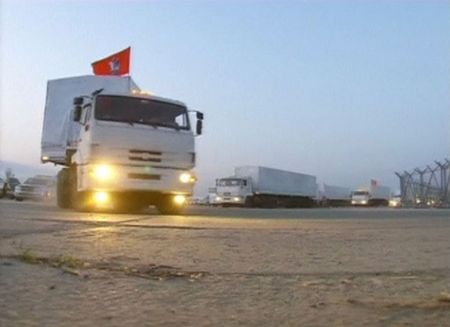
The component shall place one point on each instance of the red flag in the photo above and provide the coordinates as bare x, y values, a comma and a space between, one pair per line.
116, 64
373, 183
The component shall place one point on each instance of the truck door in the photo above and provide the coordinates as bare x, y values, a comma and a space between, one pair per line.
84, 139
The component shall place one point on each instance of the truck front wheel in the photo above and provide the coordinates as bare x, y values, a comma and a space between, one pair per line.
79, 200
249, 202
167, 206
63, 189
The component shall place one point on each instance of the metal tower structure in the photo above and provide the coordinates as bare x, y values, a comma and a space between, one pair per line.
426, 187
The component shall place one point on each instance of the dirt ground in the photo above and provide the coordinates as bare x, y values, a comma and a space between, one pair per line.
232, 267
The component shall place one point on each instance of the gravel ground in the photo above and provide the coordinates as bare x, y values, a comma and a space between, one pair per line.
215, 267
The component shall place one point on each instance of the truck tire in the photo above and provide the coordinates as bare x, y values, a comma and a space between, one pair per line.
79, 200
166, 206
63, 189
249, 202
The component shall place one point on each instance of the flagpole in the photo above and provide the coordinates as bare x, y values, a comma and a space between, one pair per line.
129, 70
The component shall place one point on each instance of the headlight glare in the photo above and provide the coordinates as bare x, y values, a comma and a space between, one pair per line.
101, 197
179, 199
187, 178
103, 172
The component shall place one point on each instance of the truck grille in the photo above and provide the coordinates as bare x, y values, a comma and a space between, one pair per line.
144, 155
144, 176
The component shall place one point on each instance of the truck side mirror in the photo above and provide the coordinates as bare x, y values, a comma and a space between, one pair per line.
200, 115
77, 101
77, 113
199, 127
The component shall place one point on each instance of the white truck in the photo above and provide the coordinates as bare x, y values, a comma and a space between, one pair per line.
373, 196
255, 186
120, 148
332, 195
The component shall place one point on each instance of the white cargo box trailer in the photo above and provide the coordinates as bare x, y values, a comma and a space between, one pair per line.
332, 195
380, 192
60, 133
278, 182
334, 192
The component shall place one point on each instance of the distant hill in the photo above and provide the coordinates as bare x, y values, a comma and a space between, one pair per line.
23, 171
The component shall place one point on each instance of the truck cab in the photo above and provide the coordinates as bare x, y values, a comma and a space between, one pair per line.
395, 200
137, 146
360, 198
233, 191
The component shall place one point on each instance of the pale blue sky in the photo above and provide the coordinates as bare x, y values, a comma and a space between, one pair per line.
347, 91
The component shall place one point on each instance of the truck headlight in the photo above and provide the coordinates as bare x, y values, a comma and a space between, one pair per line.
101, 197
236, 199
393, 203
179, 199
218, 198
363, 202
103, 172
186, 178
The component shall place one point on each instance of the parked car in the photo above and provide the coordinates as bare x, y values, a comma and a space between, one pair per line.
39, 188
11, 184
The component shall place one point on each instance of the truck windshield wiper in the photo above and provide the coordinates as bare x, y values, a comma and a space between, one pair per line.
170, 125
132, 122
153, 124
160, 124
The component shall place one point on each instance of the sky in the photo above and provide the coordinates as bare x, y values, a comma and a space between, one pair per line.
347, 91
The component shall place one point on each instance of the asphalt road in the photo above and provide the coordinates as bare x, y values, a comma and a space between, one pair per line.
216, 267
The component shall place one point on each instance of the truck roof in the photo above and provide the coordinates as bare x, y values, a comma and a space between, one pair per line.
145, 96
132, 87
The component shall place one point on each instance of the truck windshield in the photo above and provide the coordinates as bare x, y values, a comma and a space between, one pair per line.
141, 111
361, 193
230, 182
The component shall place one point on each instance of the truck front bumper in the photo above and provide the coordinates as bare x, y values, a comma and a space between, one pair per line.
230, 200
127, 178
360, 202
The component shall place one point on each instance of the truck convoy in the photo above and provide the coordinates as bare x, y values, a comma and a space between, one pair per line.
255, 186
375, 195
120, 148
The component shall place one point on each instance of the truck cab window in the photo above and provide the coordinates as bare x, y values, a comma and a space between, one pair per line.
229, 182
181, 120
141, 111
87, 115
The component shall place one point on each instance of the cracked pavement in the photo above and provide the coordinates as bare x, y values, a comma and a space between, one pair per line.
310, 267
